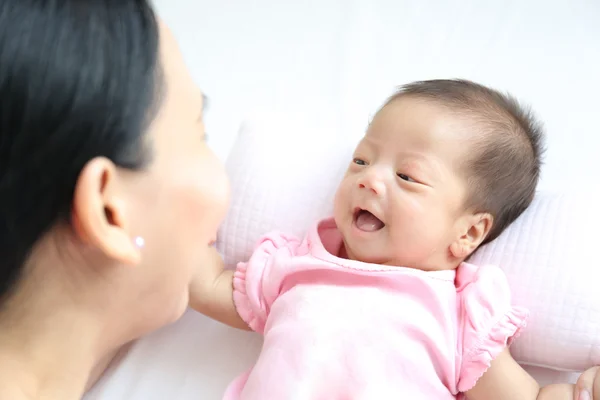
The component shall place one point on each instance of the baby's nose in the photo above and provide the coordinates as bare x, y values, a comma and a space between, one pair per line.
372, 182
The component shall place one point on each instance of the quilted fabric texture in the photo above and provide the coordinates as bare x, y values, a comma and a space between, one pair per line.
551, 260
284, 175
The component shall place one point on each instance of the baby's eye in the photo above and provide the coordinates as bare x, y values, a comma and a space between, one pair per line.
358, 161
405, 177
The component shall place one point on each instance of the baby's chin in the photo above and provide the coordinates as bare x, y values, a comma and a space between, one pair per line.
363, 255
372, 256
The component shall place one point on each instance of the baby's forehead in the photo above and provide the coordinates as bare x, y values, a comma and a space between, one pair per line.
417, 122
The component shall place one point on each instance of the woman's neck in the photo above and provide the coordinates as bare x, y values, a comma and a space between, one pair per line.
51, 357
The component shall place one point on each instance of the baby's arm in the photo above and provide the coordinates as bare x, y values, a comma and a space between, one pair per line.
211, 292
506, 380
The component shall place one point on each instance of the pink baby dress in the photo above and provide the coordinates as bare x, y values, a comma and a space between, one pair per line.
337, 329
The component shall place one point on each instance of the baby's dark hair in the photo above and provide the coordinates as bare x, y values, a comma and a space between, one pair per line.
503, 168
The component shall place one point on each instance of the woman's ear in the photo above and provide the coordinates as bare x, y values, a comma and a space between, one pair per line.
474, 229
99, 212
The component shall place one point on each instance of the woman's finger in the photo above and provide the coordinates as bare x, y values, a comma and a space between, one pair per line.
586, 385
596, 389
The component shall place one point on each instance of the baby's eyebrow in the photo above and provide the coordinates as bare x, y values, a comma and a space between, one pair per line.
415, 164
422, 164
368, 142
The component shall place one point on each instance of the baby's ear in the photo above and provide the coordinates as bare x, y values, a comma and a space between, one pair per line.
473, 230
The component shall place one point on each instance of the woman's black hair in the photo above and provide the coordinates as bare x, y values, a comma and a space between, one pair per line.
78, 79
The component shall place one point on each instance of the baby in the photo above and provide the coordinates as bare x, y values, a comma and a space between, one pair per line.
378, 301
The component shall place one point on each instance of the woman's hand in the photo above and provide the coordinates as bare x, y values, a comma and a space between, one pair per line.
588, 385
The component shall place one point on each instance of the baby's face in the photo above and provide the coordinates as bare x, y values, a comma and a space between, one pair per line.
402, 196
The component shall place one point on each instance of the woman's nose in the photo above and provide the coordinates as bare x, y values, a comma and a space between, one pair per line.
374, 182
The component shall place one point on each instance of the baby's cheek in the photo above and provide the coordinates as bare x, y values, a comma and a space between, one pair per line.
341, 196
409, 210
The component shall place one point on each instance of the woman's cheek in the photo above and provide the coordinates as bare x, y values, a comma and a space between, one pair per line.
213, 199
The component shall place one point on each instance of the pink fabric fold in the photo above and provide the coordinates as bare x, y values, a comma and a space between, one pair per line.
336, 328
488, 346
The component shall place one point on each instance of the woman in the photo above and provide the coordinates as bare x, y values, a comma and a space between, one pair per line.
109, 195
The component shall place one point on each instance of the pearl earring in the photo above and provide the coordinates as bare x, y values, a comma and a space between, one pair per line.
139, 241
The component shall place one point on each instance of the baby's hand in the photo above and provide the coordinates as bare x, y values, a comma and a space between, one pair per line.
211, 291
588, 385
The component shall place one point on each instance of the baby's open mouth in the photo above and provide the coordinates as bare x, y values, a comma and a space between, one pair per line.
366, 221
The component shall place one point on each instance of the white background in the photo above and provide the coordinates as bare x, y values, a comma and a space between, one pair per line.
335, 61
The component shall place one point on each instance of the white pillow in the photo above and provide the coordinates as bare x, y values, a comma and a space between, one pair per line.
284, 175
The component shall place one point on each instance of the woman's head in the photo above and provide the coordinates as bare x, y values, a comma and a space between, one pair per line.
101, 141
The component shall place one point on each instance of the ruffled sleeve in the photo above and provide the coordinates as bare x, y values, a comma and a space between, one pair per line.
487, 318
257, 283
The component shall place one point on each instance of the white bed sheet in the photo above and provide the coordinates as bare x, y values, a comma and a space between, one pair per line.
193, 359
196, 359
336, 60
